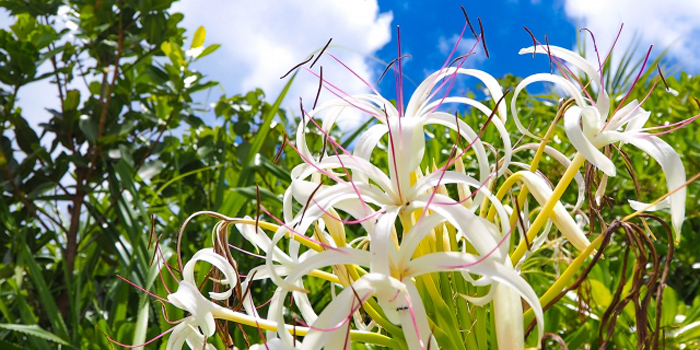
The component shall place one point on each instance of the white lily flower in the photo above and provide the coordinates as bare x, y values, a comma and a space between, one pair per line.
186, 331
208, 255
190, 299
378, 201
589, 128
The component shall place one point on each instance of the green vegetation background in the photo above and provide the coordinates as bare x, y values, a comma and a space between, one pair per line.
85, 196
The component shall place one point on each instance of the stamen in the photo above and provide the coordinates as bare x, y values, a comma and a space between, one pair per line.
483, 38
415, 322
391, 64
257, 215
339, 92
353, 309
279, 153
297, 66
308, 201
459, 58
444, 170
469, 23
534, 41
245, 252
348, 222
597, 54
137, 345
393, 153
478, 261
613, 44
141, 288
549, 53
164, 311
481, 131
321, 52
306, 238
320, 85
636, 80
658, 68
335, 144
355, 74
399, 86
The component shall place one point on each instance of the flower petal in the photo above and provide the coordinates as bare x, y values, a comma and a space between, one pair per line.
542, 77
218, 261
672, 166
564, 222
582, 143
191, 300
451, 261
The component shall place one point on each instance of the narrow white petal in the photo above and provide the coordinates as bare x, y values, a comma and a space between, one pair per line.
508, 315
566, 224
561, 158
218, 261
542, 77
191, 300
567, 55
672, 166
451, 261
572, 125
664, 204
497, 122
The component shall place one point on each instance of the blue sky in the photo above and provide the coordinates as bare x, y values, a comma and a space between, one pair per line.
263, 39
424, 25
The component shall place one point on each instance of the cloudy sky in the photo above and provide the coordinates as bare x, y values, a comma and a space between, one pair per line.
261, 42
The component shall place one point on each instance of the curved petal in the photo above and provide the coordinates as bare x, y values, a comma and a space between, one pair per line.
333, 318
451, 261
564, 222
672, 166
542, 77
664, 204
191, 300
271, 344
572, 125
508, 316
561, 158
603, 101
467, 224
497, 122
419, 99
218, 261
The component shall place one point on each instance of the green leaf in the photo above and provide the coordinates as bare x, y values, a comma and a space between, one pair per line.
208, 50
199, 36
251, 193
35, 331
262, 134
45, 295
88, 127
72, 100
9, 346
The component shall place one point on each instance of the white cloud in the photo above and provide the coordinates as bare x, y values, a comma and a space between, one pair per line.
262, 40
666, 24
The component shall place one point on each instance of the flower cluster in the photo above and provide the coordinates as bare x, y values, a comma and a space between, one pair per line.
414, 254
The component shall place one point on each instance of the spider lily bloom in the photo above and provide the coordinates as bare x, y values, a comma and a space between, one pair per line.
379, 201
591, 127
200, 325
186, 331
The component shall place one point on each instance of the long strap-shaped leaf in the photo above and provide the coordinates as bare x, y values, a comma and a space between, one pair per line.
261, 135
34, 331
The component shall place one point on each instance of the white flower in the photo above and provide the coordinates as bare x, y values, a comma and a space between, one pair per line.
186, 331
589, 128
